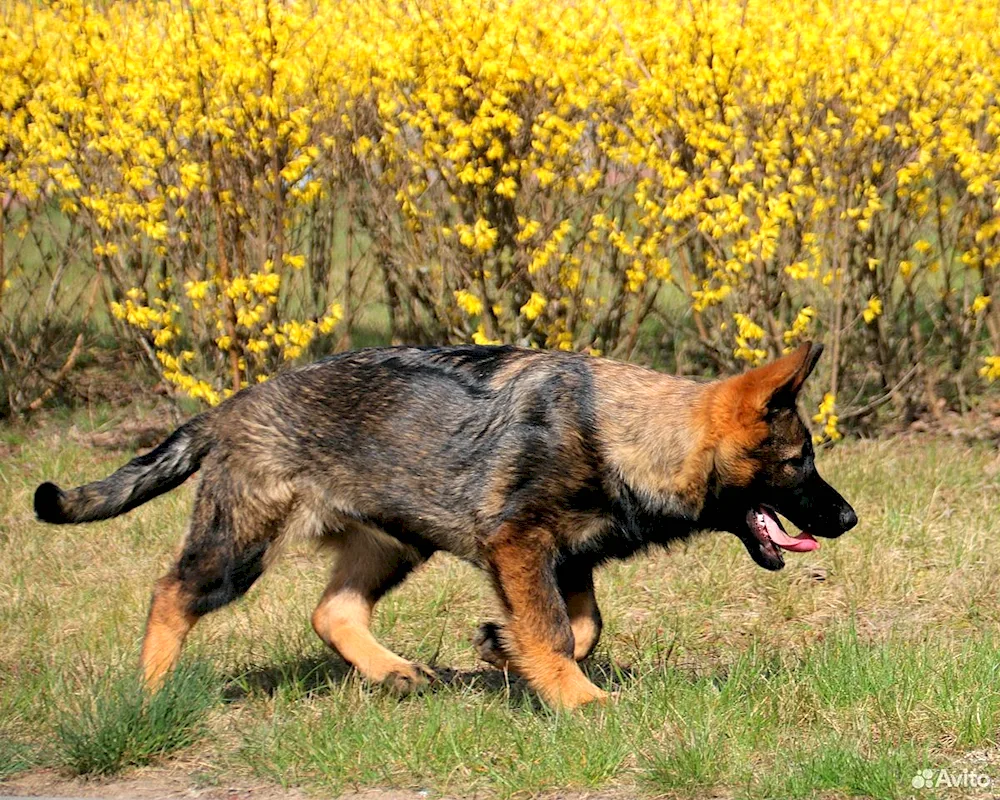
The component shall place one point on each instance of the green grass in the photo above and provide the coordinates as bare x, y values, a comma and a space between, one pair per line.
113, 723
727, 679
15, 756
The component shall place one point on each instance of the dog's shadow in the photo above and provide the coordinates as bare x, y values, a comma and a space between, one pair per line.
319, 675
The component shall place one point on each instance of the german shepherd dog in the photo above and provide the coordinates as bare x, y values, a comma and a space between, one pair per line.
535, 466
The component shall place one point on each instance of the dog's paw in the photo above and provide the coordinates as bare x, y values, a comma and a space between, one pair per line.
411, 679
580, 696
487, 644
574, 691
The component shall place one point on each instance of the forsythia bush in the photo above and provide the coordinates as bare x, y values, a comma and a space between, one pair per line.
702, 184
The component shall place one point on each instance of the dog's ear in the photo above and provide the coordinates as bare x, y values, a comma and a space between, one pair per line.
777, 385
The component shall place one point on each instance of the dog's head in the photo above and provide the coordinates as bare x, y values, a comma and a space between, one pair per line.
765, 463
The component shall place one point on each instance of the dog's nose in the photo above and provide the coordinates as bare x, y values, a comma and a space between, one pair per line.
848, 519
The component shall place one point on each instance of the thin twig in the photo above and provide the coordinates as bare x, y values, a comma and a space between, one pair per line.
60, 376
868, 407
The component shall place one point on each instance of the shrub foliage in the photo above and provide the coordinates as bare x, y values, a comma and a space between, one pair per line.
700, 183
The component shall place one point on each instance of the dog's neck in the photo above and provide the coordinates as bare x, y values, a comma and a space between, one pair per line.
658, 438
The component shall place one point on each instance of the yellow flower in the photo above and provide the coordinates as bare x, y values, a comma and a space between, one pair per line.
479, 337
799, 271
635, 277
545, 176
196, 290
747, 332
535, 305
265, 285
248, 317
826, 416
981, 303
506, 187
800, 325
469, 302
991, 369
481, 236
748, 150
872, 310
329, 321
238, 287
826, 407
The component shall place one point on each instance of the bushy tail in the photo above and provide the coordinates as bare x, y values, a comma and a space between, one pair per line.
142, 479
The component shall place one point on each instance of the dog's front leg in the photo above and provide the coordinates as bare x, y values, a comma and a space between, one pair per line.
576, 585
537, 635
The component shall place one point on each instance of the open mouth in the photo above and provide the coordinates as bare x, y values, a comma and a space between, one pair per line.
769, 535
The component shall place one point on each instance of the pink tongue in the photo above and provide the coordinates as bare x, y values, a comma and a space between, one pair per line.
797, 544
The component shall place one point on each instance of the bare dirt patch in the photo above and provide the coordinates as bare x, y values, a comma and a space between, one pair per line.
175, 783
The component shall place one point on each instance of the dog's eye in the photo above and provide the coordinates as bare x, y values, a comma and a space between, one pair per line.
796, 461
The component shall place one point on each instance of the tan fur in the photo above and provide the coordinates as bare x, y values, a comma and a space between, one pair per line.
556, 677
656, 432
579, 529
368, 564
167, 627
585, 620
341, 620
537, 634
511, 371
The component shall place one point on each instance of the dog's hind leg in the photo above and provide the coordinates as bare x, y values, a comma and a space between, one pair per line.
576, 585
223, 555
537, 636
369, 564
167, 626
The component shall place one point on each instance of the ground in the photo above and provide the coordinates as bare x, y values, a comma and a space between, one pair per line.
846, 674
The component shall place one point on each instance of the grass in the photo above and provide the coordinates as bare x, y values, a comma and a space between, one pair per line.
843, 675
113, 723
15, 756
